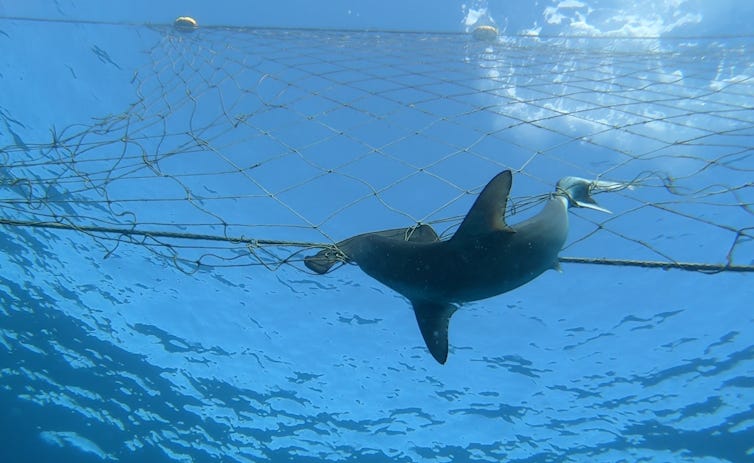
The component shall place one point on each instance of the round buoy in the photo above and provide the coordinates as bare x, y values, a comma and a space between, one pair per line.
185, 24
485, 33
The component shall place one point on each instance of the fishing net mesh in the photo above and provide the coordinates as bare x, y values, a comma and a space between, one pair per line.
253, 147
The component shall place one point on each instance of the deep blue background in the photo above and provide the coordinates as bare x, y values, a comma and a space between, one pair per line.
126, 358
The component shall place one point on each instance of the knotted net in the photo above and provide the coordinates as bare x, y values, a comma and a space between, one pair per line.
257, 146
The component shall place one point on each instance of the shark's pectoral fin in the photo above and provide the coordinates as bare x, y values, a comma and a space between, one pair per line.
433, 319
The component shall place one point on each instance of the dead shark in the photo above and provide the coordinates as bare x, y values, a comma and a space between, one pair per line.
484, 258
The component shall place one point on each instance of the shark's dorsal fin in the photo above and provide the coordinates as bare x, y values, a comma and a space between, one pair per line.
422, 233
433, 319
488, 212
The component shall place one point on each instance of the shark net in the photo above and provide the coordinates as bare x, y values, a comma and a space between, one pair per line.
259, 146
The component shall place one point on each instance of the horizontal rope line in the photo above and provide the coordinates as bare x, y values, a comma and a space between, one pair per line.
377, 31
157, 234
688, 266
691, 266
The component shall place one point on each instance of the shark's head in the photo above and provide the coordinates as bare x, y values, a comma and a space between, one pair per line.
579, 191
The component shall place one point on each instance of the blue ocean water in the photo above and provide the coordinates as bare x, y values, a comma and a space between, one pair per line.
113, 352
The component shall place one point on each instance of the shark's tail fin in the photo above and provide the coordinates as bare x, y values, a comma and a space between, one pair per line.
323, 261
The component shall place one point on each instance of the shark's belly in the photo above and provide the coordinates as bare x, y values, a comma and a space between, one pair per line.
496, 270
458, 271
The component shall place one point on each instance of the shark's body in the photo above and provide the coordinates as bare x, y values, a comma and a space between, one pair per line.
484, 258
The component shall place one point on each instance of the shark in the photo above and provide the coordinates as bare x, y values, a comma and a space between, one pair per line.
485, 257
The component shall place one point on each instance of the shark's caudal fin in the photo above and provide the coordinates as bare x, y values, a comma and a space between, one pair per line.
433, 319
488, 212
324, 260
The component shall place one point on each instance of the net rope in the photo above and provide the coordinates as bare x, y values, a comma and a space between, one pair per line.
258, 146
